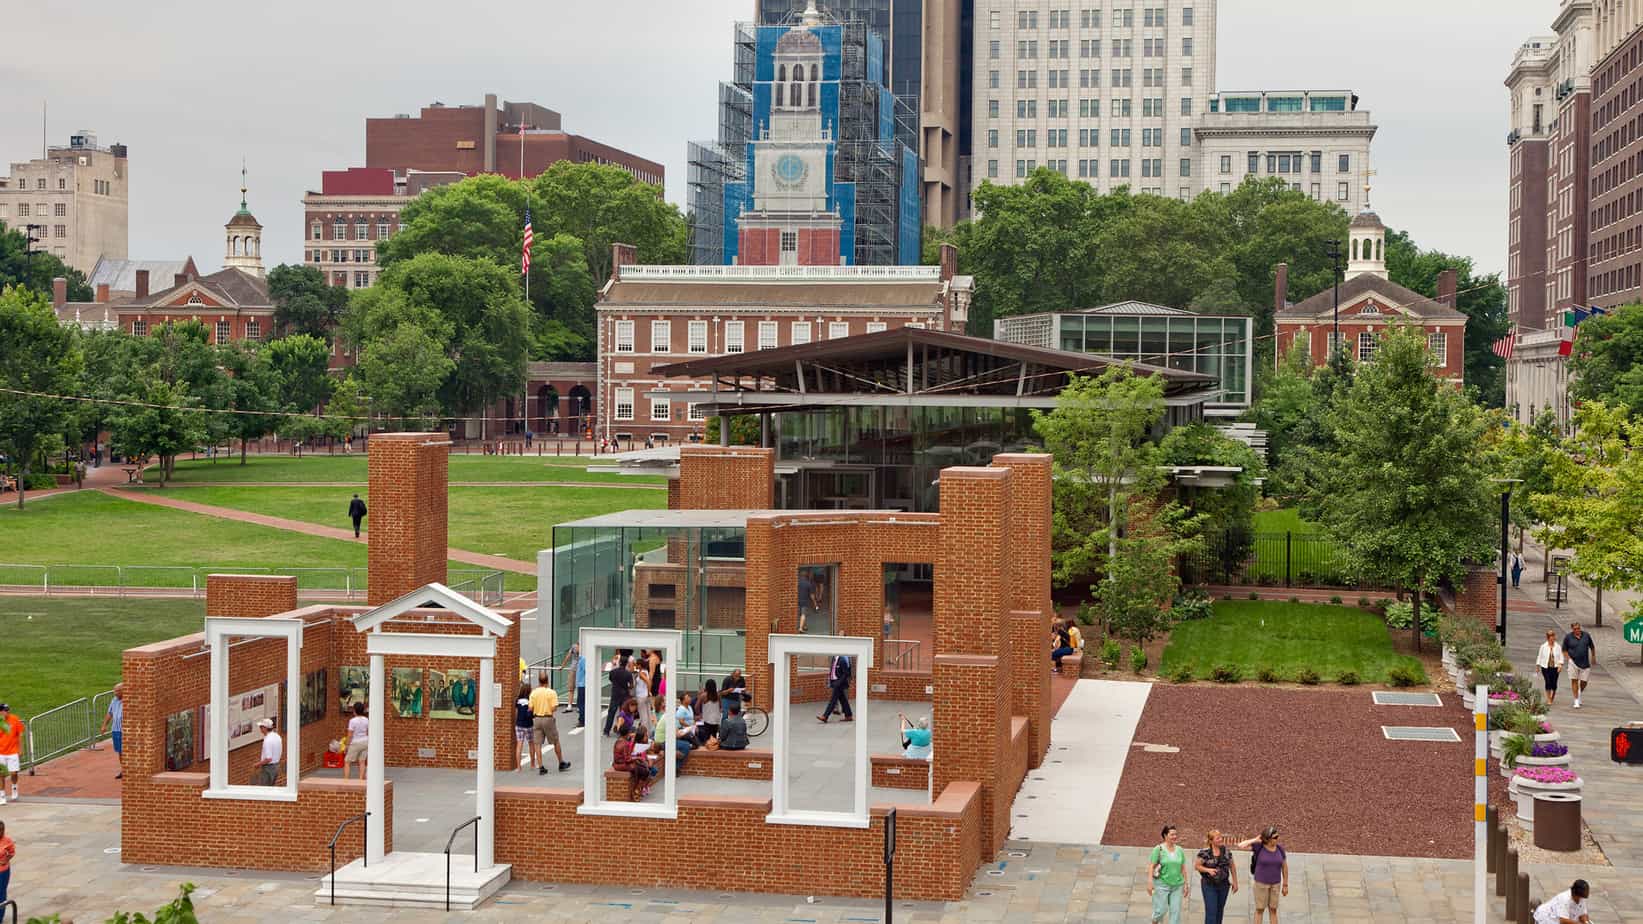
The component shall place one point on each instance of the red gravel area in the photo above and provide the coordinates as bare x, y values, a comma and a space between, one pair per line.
1312, 762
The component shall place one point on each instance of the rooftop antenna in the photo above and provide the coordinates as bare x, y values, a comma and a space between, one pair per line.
44, 144
242, 184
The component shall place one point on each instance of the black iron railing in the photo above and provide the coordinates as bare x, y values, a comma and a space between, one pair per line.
14, 913
448, 841
364, 851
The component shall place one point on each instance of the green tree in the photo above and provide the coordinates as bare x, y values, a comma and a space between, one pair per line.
1139, 577
1405, 488
304, 303
1033, 249
402, 372
1161, 250
1226, 508
18, 267
602, 204
744, 430
482, 216
1607, 360
38, 361
301, 363
1481, 298
253, 393
163, 421
1264, 223
1597, 493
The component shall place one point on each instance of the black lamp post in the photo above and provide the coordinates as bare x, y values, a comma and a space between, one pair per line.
1505, 518
1332, 250
28, 248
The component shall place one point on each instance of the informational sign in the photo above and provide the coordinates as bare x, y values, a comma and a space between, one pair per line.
245, 710
1634, 631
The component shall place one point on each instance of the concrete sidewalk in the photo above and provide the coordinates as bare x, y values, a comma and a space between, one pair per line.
1068, 798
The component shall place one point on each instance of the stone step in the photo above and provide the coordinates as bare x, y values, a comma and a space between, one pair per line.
414, 880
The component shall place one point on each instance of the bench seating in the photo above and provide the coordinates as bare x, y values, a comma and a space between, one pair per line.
893, 771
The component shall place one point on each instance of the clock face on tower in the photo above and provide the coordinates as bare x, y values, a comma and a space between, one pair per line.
789, 170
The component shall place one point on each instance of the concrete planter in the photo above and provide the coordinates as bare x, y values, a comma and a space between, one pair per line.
1523, 793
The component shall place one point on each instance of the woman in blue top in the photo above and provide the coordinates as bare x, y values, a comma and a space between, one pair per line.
915, 738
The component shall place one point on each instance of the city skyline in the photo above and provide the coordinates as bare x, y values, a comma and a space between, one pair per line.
192, 101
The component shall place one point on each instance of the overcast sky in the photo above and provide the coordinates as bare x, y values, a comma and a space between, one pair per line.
195, 86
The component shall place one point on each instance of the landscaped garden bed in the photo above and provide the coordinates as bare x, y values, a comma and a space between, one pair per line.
1278, 641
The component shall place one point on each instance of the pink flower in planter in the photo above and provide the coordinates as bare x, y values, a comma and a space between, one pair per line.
1508, 696
1547, 775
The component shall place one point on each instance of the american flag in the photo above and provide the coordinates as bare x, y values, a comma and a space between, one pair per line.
1503, 346
525, 259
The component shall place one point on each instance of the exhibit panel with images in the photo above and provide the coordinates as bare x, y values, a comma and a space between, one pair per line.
179, 740
452, 694
312, 708
407, 692
353, 686
245, 710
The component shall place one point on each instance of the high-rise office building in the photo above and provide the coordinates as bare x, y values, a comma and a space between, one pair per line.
78, 195
1315, 140
1104, 94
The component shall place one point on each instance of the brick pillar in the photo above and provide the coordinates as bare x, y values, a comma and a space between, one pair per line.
760, 604
1030, 603
970, 716
726, 478
408, 497
249, 595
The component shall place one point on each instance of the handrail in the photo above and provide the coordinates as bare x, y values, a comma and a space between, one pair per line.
364, 854
472, 821
12, 904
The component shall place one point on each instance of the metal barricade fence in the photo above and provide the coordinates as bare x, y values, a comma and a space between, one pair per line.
58, 731
98, 710
93, 580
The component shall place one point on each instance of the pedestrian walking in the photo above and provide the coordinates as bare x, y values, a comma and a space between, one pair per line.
523, 722
115, 718
8, 850
838, 680
544, 702
1270, 868
356, 512
1219, 878
1581, 650
1517, 569
580, 685
621, 688
1550, 661
1566, 907
356, 741
268, 765
11, 743
1166, 882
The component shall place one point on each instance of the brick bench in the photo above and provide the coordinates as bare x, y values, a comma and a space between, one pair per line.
1072, 665
746, 764
619, 786
893, 771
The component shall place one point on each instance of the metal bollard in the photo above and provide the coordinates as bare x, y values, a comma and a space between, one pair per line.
1508, 883
1523, 908
1496, 835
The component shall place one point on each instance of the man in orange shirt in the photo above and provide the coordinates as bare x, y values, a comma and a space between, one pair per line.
11, 737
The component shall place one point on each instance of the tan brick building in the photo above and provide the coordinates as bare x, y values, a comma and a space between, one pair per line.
79, 195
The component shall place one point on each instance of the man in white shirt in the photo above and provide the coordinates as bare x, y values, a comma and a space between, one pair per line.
1568, 907
268, 766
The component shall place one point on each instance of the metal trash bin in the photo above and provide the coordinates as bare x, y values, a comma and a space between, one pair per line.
1557, 821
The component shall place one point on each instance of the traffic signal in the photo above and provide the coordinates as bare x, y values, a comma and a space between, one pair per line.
1626, 746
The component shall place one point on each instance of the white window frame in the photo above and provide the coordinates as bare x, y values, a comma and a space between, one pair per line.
769, 335
665, 341
218, 630
253, 329
696, 337
735, 337
783, 648
798, 337
696, 410
874, 327
665, 405
623, 396
591, 640
624, 337
1373, 344
1437, 343
837, 330
224, 331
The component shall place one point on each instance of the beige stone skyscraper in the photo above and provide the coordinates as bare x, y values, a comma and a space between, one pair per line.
79, 195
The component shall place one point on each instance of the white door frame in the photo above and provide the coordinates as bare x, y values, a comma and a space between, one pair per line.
860, 650
218, 630
671, 643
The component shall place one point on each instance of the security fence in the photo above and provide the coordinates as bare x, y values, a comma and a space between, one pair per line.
1286, 559
64, 729
483, 585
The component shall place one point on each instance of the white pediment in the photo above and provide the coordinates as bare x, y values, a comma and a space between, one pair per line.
438, 595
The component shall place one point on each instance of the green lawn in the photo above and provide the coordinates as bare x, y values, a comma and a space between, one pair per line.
514, 522
84, 534
1251, 634
1284, 519
57, 650
351, 468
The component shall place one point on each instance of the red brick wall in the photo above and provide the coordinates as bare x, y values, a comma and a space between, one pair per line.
1478, 596
892, 771
727, 478
936, 851
902, 686
408, 478
249, 595
1030, 605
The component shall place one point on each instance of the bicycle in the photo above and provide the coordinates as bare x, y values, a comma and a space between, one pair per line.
756, 718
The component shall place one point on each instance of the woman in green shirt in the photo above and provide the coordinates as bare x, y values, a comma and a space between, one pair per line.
1166, 881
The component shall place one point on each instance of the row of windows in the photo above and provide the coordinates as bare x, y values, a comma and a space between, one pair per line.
339, 229
40, 210
1437, 344
1152, 17
735, 335
1090, 77
223, 330
341, 256
1152, 107
661, 409
362, 279
1288, 162
1061, 49
1615, 280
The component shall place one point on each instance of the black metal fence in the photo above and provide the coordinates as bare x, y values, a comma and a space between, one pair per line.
1286, 559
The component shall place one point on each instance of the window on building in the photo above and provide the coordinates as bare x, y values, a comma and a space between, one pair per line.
1120, 168
837, 330
1226, 163
22, 210
801, 332
695, 410
359, 229
992, 137
1186, 137
382, 229
1186, 166
1186, 105
1318, 191
992, 169
222, 331
1368, 343
40, 183
1186, 16
1345, 165
139, 328
992, 19
319, 234
1437, 343
1343, 191
661, 410
992, 80
62, 183
60, 210
696, 337
874, 327
624, 404
339, 231
992, 109
1186, 48
362, 280
992, 49
624, 336
253, 329
660, 333
1020, 168
1317, 161
1226, 189
767, 335
735, 337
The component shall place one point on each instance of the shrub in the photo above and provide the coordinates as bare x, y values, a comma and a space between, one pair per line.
1294, 599
1086, 615
38, 481
1266, 673
1226, 596
1226, 673
1254, 595
1306, 676
1514, 746
1192, 606
1111, 653
1505, 717
1181, 674
1363, 602
1382, 604
1349, 679
1336, 599
1405, 676
1138, 659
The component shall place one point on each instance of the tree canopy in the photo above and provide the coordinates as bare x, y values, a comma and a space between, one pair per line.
1481, 298
36, 271
1606, 363
40, 364
304, 302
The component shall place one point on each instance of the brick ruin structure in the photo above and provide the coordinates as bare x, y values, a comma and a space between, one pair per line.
988, 684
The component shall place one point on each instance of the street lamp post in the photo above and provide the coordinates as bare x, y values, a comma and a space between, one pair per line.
1332, 250
1505, 517
28, 248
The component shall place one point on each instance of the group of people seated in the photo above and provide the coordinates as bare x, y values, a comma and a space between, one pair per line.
705, 719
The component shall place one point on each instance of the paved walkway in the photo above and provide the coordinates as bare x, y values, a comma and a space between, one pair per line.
1067, 799
361, 484
494, 562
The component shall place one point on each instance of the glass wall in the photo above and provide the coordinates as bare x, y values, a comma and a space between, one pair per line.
1217, 346
687, 578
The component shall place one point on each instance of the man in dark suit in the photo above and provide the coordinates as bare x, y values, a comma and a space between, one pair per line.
356, 512
838, 680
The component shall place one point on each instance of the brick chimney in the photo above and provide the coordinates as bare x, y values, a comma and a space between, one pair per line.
142, 283
102, 293
1280, 288
1446, 287
949, 262
620, 254
59, 292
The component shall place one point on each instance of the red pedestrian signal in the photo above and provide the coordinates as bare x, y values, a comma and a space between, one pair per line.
1626, 746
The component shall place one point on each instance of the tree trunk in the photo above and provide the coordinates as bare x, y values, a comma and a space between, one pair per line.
1416, 622
1599, 614
22, 484
242, 450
